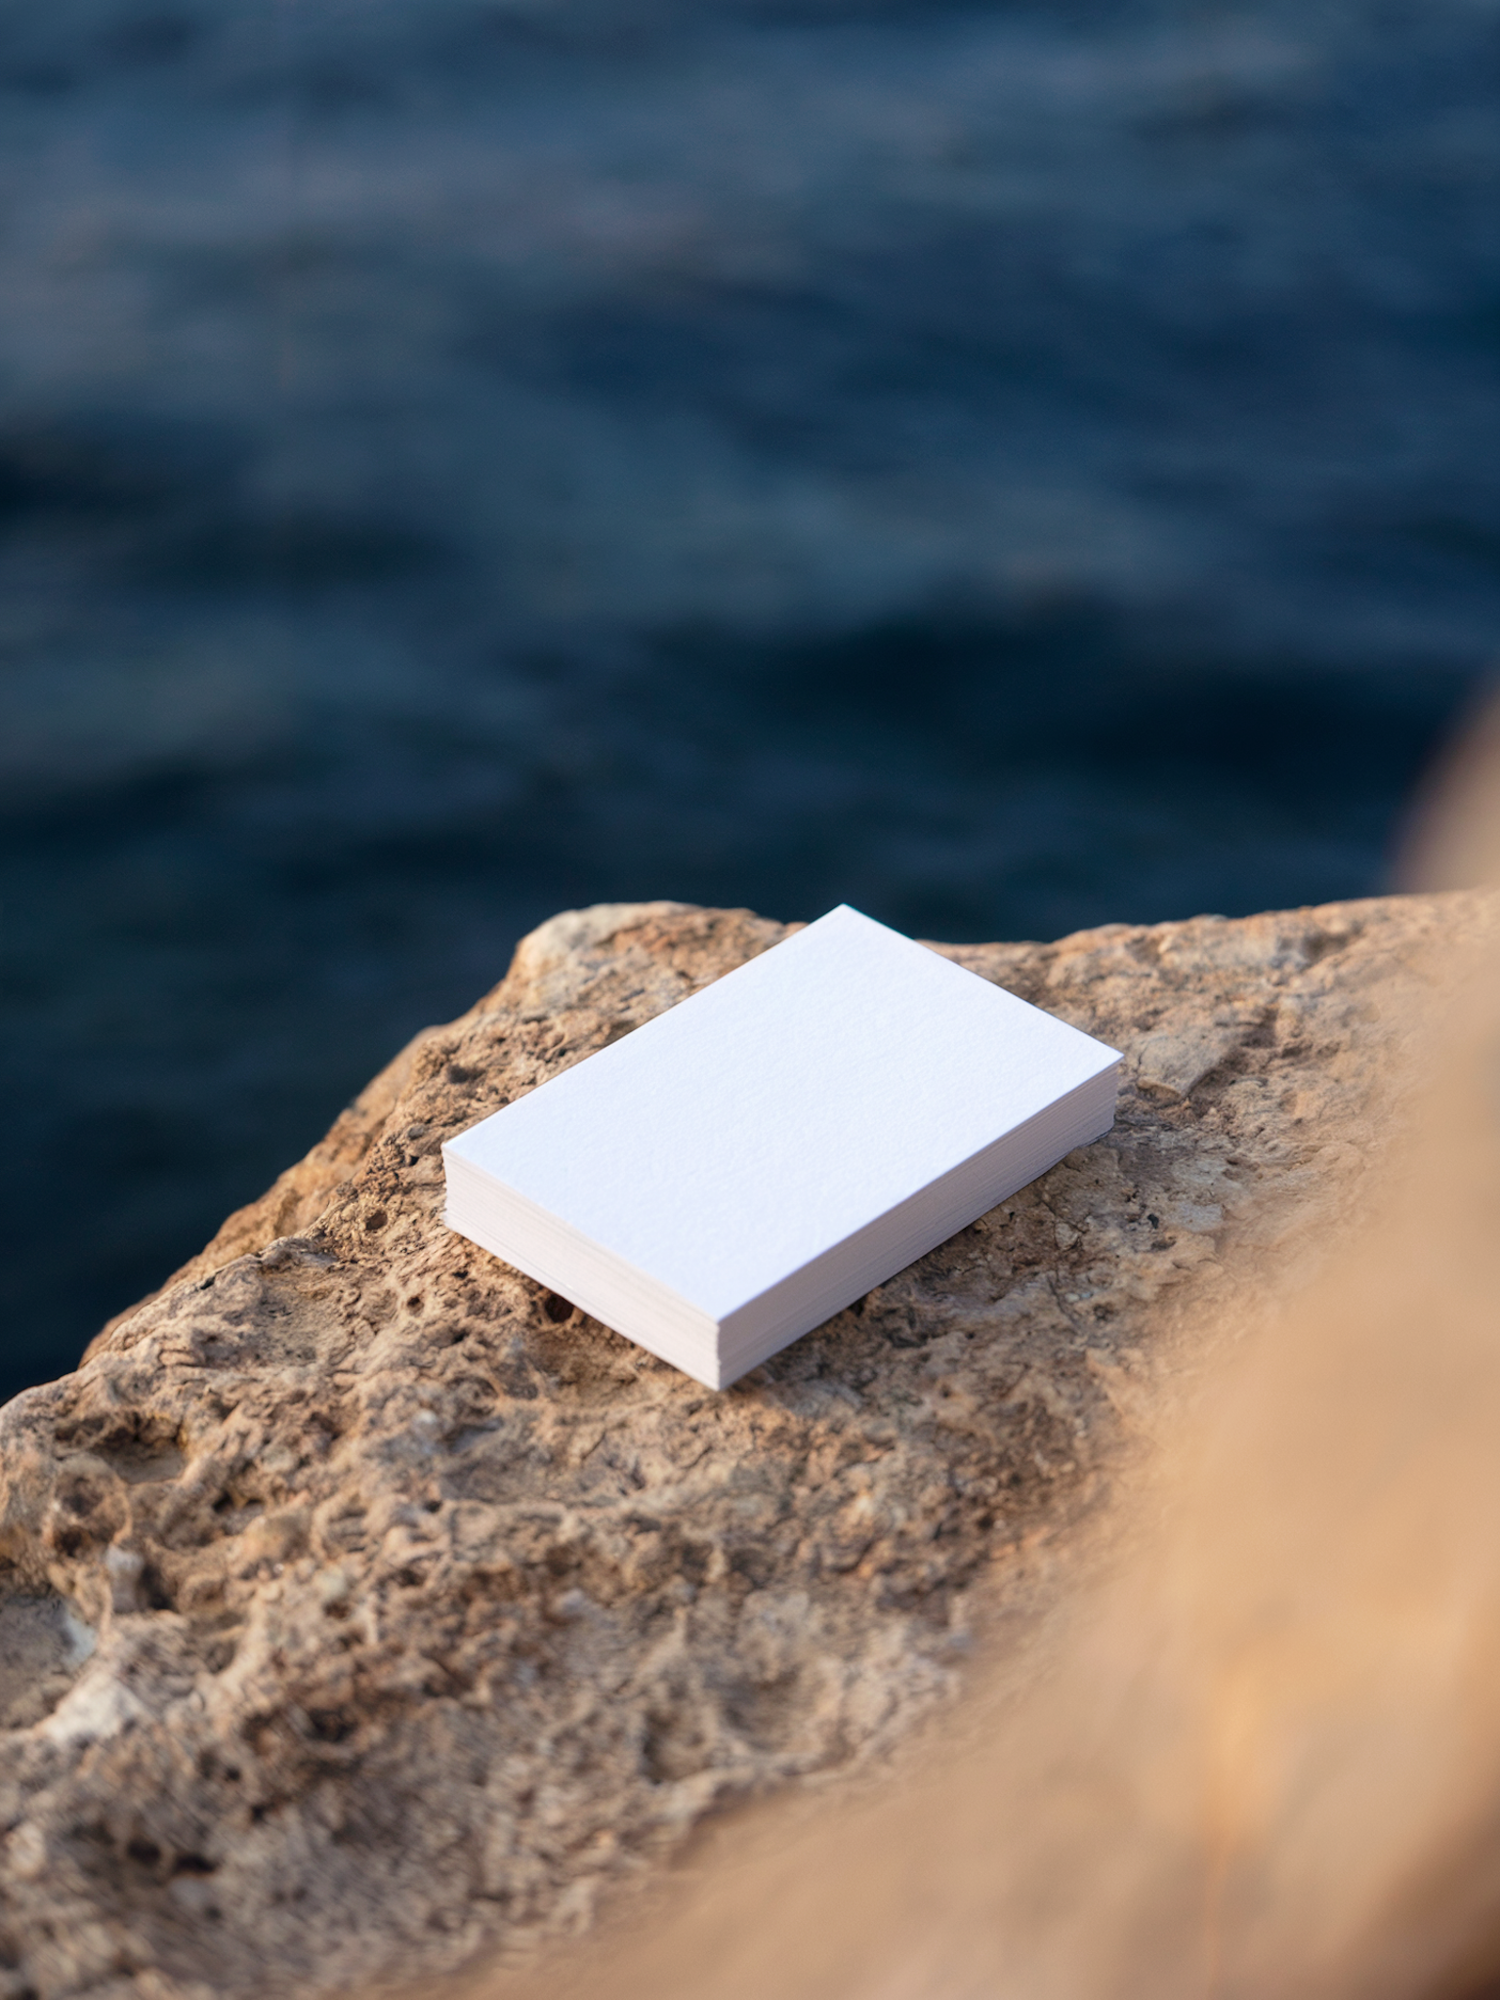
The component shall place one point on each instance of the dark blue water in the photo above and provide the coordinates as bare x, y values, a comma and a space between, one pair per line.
1010, 467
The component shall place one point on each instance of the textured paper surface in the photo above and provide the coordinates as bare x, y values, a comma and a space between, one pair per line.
731, 1141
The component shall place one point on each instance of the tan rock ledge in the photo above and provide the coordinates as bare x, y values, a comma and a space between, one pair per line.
364, 1607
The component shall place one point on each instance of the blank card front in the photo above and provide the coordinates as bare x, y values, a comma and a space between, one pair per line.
732, 1140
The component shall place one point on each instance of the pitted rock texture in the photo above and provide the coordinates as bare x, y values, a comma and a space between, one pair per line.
381, 1609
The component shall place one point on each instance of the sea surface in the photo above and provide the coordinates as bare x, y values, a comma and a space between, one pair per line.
1010, 467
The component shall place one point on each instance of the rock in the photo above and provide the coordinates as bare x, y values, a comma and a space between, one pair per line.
364, 1606
1172, 1063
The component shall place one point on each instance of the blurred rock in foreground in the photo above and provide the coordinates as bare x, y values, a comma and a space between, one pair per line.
365, 1607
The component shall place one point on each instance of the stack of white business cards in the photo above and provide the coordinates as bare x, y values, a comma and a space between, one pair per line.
737, 1170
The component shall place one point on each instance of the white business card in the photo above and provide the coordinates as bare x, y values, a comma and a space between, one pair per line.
740, 1168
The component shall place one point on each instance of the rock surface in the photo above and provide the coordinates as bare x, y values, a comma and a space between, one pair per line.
363, 1606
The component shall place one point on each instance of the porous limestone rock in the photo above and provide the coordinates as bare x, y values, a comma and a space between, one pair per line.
363, 1606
